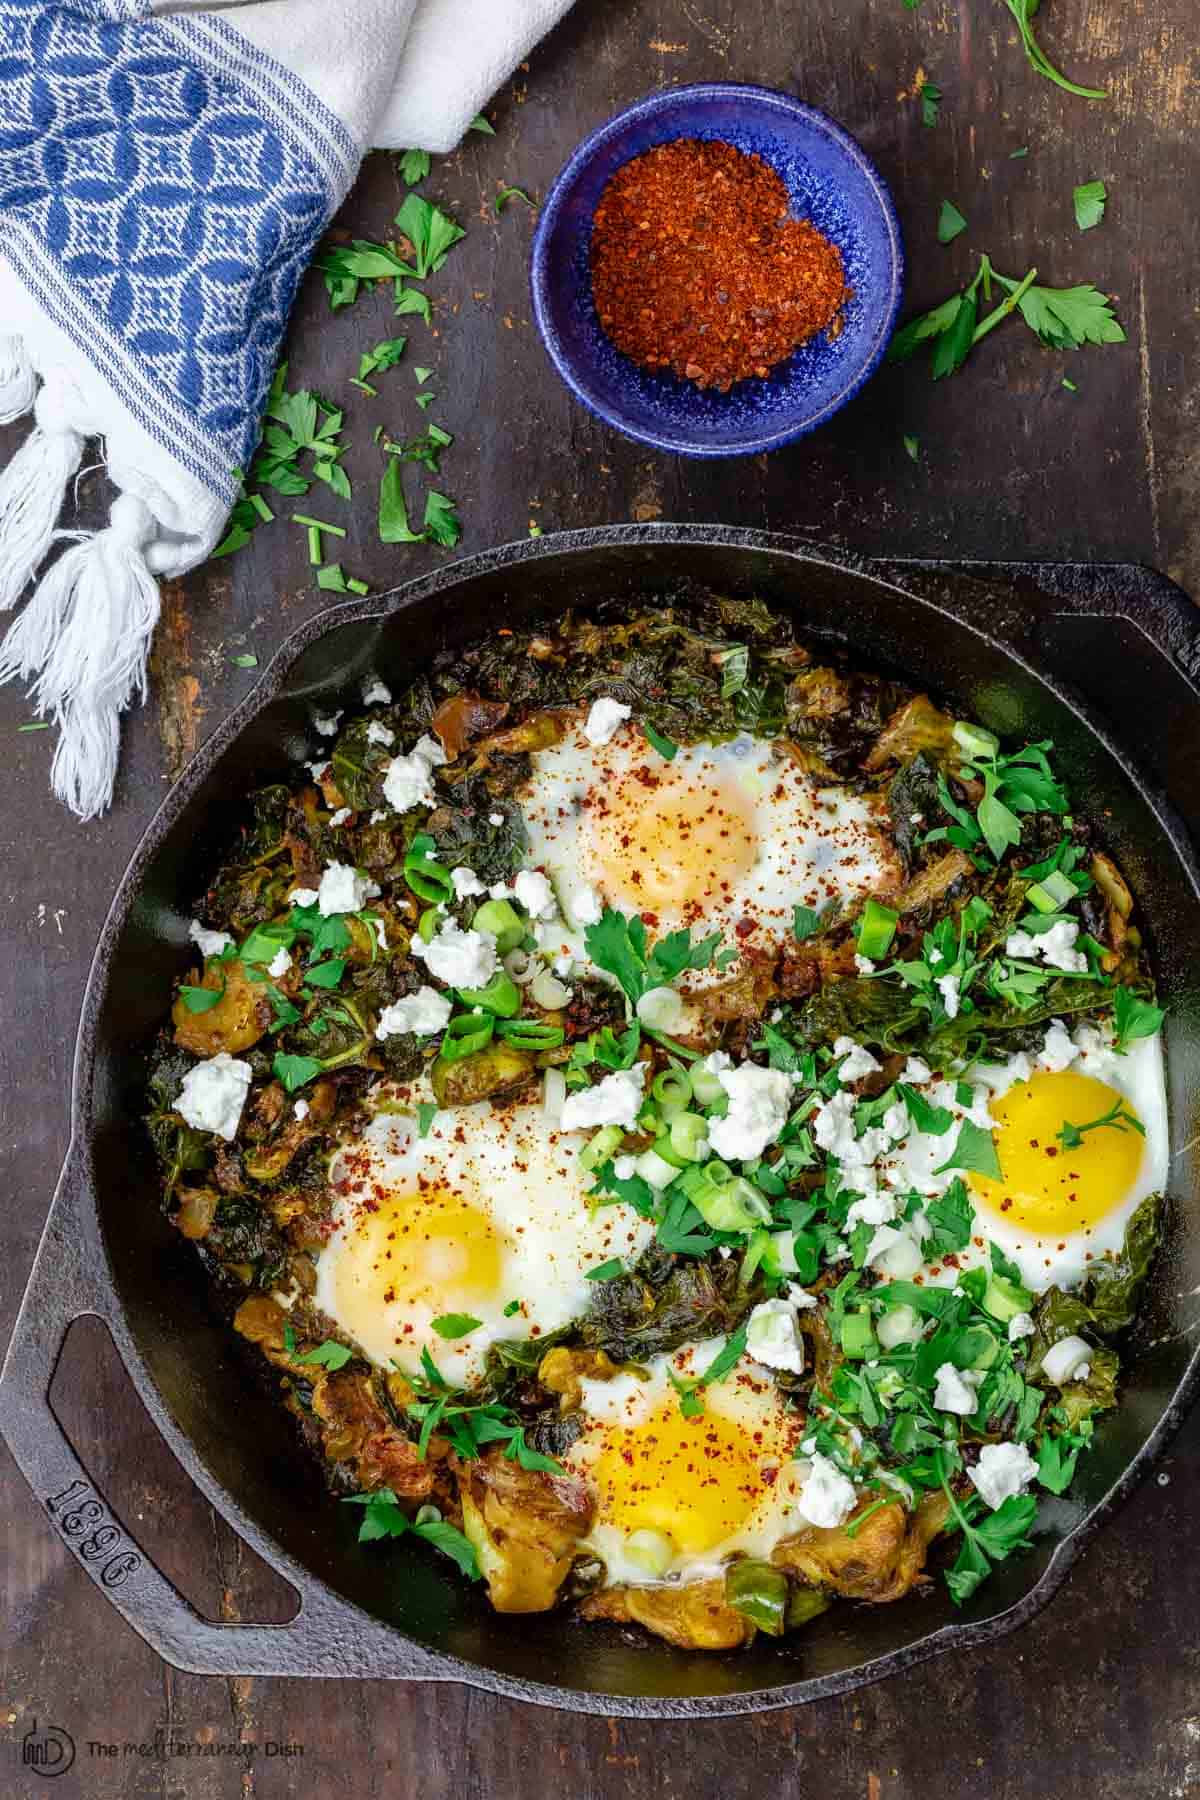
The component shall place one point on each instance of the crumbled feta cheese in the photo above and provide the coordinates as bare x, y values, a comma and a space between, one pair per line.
603, 720
380, 930
379, 734
827, 1497
500, 890
424, 1012
856, 1060
214, 1093
895, 1120
495, 818
340, 816
947, 987
759, 1101
1068, 1360
624, 1167
772, 1338
1055, 947
462, 959
864, 965
327, 726
879, 1208
376, 692
209, 943
588, 907
303, 897
1019, 1067
800, 1297
409, 782
955, 1390
379, 815
280, 963
344, 890
301, 1109
564, 964
1020, 1326
916, 1071
895, 1251
616, 1100
935, 957
1002, 1471
466, 884
431, 749
535, 894
716, 1060
317, 769
1057, 1052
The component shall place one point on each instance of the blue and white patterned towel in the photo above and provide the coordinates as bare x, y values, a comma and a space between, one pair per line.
166, 172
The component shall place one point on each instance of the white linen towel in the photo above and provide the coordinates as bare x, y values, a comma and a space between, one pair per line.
167, 170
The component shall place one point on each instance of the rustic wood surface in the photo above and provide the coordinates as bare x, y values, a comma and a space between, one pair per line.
1102, 1694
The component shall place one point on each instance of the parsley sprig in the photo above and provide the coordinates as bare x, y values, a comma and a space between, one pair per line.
1117, 1118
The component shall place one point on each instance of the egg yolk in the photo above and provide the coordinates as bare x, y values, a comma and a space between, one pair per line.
429, 1249
696, 1480
665, 841
1048, 1186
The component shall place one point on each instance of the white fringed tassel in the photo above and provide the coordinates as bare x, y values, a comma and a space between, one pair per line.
18, 383
32, 490
85, 635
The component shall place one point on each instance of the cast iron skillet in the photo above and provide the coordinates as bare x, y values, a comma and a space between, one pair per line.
1104, 661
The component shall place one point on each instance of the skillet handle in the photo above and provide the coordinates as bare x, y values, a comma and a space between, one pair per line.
328, 1636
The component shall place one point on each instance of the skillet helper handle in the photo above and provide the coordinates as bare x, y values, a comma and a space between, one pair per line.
68, 1281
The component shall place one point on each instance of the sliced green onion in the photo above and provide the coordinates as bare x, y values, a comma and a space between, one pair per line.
858, 1335
598, 1149
779, 1257
899, 1326
975, 741
530, 1034
706, 1087
501, 996
655, 1169
316, 555
1056, 891
503, 921
876, 929
660, 1009
688, 1132
1004, 1299
465, 1034
318, 524
427, 879
733, 1205
672, 1089
652, 1551
757, 1252
427, 924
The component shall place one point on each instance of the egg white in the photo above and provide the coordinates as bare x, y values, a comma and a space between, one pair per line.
652, 1469
722, 836
489, 1208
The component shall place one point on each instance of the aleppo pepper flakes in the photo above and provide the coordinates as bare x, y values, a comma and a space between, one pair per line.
697, 267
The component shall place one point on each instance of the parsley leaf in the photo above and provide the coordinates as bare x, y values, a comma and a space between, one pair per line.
1068, 318
1004, 1265
1133, 1018
952, 1218
974, 1149
200, 999
394, 527
1071, 1136
1089, 200
1023, 11
415, 166
512, 193
935, 1120
1056, 1458
617, 944
605, 1271
807, 921
430, 232
455, 1325
690, 1389
426, 1112
931, 101
951, 223
442, 523
384, 1518
330, 1355
295, 1071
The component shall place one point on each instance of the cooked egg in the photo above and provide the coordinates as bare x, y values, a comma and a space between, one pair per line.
488, 1211
676, 1496
1055, 1209
722, 837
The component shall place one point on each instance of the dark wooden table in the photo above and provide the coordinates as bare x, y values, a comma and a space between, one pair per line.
1102, 1695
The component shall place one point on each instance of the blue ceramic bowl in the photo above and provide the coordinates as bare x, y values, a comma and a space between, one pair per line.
829, 181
